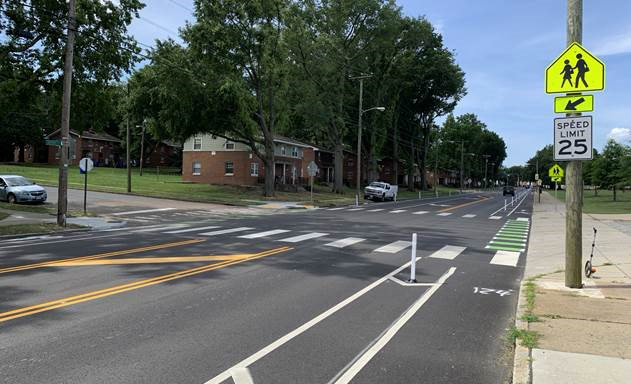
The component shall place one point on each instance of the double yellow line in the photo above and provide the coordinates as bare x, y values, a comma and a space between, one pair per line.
27, 311
464, 205
109, 254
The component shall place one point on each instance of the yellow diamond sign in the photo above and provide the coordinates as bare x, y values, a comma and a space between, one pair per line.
556, 171
576, 70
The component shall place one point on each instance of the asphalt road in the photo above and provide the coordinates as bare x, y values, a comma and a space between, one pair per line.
301, 297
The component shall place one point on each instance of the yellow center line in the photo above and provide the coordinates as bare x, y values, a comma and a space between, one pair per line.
151, 260
464, 205
55, 263
27, 311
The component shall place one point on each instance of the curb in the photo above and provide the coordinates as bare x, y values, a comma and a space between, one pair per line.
22, 235
522, 370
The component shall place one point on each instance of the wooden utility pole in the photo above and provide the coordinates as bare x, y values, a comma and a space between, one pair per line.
128, 144
574, 177
62, 194
142, 146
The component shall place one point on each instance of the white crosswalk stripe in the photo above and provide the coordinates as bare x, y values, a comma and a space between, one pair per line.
163, 228
495, 217
444, 214
523, 219
375, 210
192, 229
469, 216
307, 236
225, 231
420, 213
394, 247
343, 243
264, 234
335, 209
448, 252
356, 209
398, 210
507, 258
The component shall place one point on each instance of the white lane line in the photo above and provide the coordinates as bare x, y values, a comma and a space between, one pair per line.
444, 214
517, 206
220, 378
241, 375
375, 210
394, 247
448, 252
224, 231
507, 258
356, 209
166, 227
420, 212
143, 211
342, 243
264, 234
192, 229
469, 216
335, 209
129, 228
398, 210
495, 217
307, 236
360, 361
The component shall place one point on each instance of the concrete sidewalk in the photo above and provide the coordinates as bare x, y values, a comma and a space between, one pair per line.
584, 334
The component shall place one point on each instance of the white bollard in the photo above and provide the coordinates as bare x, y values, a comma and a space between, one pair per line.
413, 261
356, 201
504, 204
512, 200
419, 195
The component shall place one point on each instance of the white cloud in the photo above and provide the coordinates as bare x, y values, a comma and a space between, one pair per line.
620, 134
614, 45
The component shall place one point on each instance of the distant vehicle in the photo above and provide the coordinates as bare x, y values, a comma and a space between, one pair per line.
509, 190
380, 190
17, 189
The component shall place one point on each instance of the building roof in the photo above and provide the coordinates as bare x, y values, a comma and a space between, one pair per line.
102, 136
287, 140
171, 143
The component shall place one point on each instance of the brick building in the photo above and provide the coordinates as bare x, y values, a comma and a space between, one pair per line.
215, 160
104, 149
166, 153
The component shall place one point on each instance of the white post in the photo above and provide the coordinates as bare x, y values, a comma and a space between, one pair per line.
512, 201
356, 201
504, 204
419, 195
413, 261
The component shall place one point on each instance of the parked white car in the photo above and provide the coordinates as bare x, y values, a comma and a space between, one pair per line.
381, 191
17, 189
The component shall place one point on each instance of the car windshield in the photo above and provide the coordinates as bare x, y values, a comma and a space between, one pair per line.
377, 185
17, 181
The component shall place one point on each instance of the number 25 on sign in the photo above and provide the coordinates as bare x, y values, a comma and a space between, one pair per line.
573, 138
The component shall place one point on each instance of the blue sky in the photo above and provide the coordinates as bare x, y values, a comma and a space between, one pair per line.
504, 47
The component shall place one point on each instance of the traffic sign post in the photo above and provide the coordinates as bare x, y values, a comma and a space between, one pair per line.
85, 166
574, 104
312, 170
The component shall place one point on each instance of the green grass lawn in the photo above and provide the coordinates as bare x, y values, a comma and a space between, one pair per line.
3, 215
168, 184
23, 229
603, 203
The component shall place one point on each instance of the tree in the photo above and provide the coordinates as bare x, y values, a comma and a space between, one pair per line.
607, 169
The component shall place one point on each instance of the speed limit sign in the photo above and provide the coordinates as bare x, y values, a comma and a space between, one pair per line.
573, 138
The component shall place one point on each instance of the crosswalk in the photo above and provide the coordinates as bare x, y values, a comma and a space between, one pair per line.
503, 256
512, 237
413, 212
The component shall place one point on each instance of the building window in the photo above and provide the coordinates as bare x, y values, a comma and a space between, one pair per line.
197, 143
294, 152
282, 150
254, 169
229, 145
229, 168
197, 168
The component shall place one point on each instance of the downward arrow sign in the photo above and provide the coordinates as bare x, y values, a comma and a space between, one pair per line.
571, 106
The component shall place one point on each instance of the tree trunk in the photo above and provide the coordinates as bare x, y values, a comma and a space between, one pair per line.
411, 170
338, 158
269, 167
614, 193
424, 161
395, 154
595, 191
21, 154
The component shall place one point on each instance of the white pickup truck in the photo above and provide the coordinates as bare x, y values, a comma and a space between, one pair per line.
379, 190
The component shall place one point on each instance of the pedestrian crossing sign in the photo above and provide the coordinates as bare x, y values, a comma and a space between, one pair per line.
555, 178
575, 70
556, 171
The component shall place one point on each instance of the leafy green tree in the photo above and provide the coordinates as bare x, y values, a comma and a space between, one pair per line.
607, 169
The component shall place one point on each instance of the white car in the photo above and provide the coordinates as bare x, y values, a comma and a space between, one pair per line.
380, 190
17, 189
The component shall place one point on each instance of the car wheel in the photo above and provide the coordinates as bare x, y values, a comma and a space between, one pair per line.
11, 199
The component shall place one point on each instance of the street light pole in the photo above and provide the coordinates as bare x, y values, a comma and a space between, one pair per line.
359, 140
128, 145
486, 165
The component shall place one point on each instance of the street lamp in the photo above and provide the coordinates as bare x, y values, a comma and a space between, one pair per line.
359, 134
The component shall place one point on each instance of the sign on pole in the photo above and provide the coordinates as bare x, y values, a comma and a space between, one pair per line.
574, 104
575, 70
86, 164
54, 143
312, 170
573, 138
556, 171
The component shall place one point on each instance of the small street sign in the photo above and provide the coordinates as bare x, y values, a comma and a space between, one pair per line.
86, 164
575, 70
54, 143
573, 138
556, 171
574, 104
536, 176
556, 178
312, 169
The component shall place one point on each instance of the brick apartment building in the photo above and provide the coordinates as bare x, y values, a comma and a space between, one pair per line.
215, 160
166, 153
104, 149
